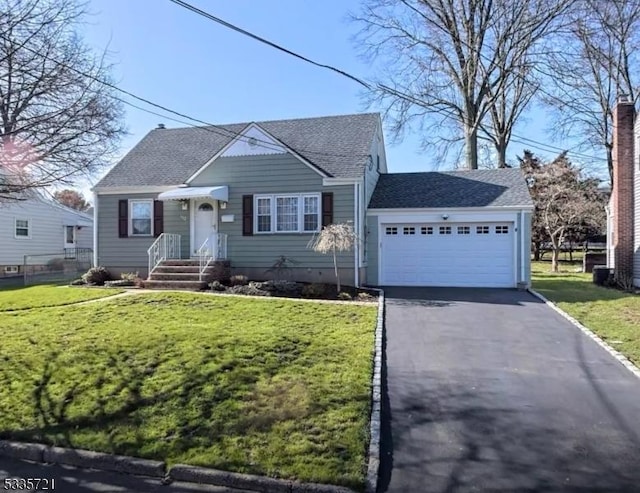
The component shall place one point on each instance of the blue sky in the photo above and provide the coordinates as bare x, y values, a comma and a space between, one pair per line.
188, 63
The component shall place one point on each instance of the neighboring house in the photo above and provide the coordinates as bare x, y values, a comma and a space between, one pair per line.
254, 192
623, 212
37, 226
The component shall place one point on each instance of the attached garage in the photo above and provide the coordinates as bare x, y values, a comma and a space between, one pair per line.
454, 229
451, 254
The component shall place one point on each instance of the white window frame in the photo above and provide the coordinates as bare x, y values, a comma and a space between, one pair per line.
135, 201
15, 228
273, 211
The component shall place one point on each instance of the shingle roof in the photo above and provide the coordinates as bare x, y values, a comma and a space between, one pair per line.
472, 188
338, 145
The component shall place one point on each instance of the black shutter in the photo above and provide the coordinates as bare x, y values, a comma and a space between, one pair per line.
123, 218
327, 208
158, 217
247, 215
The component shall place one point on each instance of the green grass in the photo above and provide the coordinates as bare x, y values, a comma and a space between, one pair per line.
612, 314
275, 387
48, 295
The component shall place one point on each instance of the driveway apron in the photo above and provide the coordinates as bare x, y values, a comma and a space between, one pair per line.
491, 390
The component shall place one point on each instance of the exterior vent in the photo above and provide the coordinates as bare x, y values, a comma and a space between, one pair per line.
161, 126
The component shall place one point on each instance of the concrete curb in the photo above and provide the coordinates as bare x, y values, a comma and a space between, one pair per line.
598, 340
18, 450
373, 467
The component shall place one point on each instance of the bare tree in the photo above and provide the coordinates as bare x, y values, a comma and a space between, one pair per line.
455, 60
72, 199
57, 121
565, 201
332, 239
598, 60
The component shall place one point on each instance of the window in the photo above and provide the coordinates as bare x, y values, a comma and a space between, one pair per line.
311, 213
263, 214
426, 230
141, 217
502, 230
464, 230
11, 269
22, 228
69, 235
391, 230
287, 213
445, 230
407, 230
482, 230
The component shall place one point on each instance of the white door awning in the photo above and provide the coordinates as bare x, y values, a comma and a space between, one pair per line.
218, 193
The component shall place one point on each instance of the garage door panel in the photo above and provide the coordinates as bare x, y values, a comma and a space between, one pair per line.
462, 258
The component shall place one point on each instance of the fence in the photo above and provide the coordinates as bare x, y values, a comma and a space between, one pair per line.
64, 265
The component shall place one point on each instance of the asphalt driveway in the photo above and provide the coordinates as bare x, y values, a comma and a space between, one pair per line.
491, 390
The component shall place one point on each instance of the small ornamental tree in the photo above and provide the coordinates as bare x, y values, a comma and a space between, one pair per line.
332, 239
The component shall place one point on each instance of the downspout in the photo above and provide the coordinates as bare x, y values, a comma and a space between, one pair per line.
356, 227
523, 252
95, 228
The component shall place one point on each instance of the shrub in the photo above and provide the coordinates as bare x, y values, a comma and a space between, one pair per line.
238, 280
55, 264
362, 296
342, 295
314, 290
217, 286
281, 267
119, 283
129, 276
96, 276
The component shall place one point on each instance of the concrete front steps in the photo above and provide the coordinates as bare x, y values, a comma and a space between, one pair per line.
179, 274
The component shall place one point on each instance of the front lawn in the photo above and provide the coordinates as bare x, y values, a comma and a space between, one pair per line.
612, 314
275, 387
48, 295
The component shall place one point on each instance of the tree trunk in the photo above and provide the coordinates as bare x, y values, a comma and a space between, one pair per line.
570, 250
335, 268
471, 147
501, 149
536, 251
555, 258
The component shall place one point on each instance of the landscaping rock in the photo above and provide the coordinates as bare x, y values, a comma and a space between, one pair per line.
217, 286
251, 289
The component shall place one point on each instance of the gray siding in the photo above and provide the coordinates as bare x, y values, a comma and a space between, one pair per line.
131, 253
251, 175
372, 249
46, 228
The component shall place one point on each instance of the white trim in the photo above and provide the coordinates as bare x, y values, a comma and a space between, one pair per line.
193, 205
241, 135
254, 142
192, 227
95, 229
516, 232
139, 189
274, 219
461, 217
15, 227
329, 181
616, 354
435, 210
130, 218
356, 226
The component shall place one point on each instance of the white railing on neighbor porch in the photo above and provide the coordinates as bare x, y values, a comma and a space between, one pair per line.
213, 248
166, 246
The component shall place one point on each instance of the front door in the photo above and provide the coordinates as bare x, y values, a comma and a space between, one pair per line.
69, 236
205, 222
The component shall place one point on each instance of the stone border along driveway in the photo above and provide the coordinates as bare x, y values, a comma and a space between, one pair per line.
36, 452
601, 342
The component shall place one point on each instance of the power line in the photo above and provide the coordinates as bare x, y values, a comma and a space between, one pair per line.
208, 126
359, 80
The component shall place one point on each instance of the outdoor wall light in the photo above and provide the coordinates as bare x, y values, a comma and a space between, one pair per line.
185, 204
223, 205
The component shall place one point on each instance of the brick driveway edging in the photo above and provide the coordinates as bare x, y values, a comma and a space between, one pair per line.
37, 452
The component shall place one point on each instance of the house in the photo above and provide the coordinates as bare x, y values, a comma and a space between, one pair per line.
241, 196
42, 229
623, 212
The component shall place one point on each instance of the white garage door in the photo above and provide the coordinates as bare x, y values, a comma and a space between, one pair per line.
450, 254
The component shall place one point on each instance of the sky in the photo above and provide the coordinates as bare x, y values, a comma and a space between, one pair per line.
183, 61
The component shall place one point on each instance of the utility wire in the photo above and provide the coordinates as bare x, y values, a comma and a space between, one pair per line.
359, 80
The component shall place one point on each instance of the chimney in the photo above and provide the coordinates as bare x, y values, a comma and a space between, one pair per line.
161, 125
622, 193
